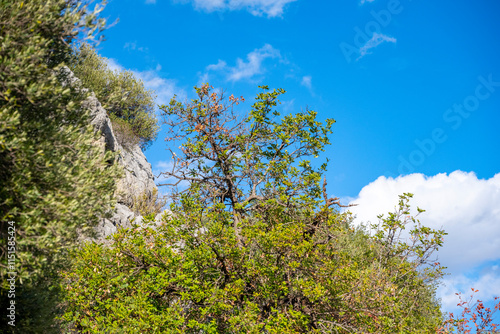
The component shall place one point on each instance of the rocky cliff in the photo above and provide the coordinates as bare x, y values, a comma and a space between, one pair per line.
138, 178
138, 175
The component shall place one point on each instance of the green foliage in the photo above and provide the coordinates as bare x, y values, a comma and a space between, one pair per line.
122, 94
251, 246
191, 276
254, 163
54, 180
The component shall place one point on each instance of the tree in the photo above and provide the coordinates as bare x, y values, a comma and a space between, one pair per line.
254, 244
54, 180
129, 104
255, 160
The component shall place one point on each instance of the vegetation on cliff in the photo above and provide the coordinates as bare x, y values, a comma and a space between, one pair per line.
129, 104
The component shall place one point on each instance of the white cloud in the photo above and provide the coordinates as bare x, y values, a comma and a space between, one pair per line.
162, 166
307, 81
163, 87
150, 1
488, 285
243, 69
221, 64
288, 105
375, 41
203, 78
466, 207
130, 46
362, 1
270, 8
114, 65
253, 66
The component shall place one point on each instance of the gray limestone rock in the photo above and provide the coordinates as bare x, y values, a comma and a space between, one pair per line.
139, 178
138, 175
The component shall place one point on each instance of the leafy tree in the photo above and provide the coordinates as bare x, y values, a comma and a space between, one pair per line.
250, 161
254, 244
55, 180
130, 105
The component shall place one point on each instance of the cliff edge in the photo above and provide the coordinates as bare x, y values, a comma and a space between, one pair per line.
138, 177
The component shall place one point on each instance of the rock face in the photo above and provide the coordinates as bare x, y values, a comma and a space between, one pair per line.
138, 175
138, 178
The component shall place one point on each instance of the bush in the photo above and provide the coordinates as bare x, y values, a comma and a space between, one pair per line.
149, 203
121, 93
191, 276
124, 133
54, 181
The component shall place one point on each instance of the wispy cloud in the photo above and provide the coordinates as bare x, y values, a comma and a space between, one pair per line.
164, 88
487, 282
270, 8
221, 64
375, 41
362, 1
159, 167
253, 65
464, 206
166, 166
307, 81
288, 105
244, 69
133, 47
114, 65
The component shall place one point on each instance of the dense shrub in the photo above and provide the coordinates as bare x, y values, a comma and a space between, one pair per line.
50, 169
148, 203
190, 275
122, 94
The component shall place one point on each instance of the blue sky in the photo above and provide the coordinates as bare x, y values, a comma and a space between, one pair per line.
414, 87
